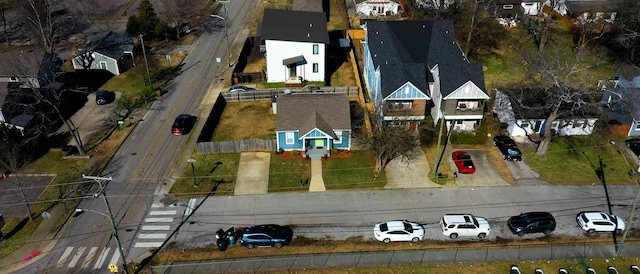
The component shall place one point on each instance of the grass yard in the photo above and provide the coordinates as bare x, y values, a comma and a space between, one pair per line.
430, 152
573, 161
343, 76
352, 173
337, 16
287, 174
246, 120
208, 173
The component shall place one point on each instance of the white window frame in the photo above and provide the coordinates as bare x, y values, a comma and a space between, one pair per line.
13, 79
316, 49
637, 125
290, 138
316, 67
507, 7
103, 65
339, 139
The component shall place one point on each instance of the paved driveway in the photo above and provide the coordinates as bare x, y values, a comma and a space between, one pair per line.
91, 119
485, 174
253, 173
409, 174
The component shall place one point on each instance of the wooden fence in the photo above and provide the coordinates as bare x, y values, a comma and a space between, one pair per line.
262, 95
236, 146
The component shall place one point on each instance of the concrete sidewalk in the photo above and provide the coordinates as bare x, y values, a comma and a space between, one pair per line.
317, 183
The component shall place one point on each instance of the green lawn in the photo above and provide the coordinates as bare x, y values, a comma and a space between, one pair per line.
208, 174
287, 174
354, 172
573, 160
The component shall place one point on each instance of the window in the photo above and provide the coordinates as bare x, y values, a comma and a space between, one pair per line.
339, 139
638, 126
400, 104
13, 79
316, 48
507, 7
315, 67
289, 138
103, 65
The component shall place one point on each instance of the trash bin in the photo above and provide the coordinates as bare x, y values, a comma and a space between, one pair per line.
222, 244
220, 234
231, 233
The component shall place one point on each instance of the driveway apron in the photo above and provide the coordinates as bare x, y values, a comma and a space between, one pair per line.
413, 174
485, 175
253, 173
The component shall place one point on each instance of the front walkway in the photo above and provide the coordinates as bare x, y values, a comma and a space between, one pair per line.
317, 183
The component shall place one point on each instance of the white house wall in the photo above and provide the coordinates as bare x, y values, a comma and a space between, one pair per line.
280, 50
531, 7
377, 7
112, 64
526, 127
436, 97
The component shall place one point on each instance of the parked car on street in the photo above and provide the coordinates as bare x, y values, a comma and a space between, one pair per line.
240, 88
508, 148
398, 231
265, 235
463, 162
634, 146
532, 222
183, 124
592, 221
454, 225
104, 97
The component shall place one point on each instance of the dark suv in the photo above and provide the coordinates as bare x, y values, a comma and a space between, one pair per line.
532, 222
634, 146
265, 235
508, 148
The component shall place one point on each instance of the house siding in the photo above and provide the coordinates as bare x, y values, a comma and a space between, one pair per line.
524, 127
281, 50
377, 7
346, 140
633, 129
282, 141
633, 83
112, 64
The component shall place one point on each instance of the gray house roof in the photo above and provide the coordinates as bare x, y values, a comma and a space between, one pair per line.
621, 105
291, 25
410, 44
306, 111
110, 44
452, 76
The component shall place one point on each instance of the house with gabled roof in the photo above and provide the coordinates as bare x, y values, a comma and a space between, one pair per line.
313, 123
111, 51
621, 108
295, 45
377, 7
629, 77
415, 67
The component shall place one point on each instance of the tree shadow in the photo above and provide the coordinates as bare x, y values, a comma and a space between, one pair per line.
17, 228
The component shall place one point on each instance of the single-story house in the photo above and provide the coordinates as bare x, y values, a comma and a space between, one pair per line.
313, 123
621, 108
111, 51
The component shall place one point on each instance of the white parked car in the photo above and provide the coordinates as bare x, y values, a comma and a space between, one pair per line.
398, 231
454, 225
593, 221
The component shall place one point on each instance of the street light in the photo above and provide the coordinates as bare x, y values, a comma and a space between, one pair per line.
109, 216
226, 34
193, 171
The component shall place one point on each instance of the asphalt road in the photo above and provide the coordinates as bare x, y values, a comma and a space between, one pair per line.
143, 164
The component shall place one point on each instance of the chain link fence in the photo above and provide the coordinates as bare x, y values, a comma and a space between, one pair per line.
404, 257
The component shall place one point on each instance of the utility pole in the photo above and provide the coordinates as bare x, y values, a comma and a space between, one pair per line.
109, 215
600, 173
146, 63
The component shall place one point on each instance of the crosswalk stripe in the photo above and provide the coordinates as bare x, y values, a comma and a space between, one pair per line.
87, 260
115, 258
101, 258
66, 254
76, 257
163, 212
147, 244
155, 227
190, 206
158, 220
152, 236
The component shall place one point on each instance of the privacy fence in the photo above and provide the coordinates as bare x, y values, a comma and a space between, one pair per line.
236, 146
258, 95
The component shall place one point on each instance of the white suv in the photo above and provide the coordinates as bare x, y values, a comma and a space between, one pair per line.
592, 221
396, 231
454, 225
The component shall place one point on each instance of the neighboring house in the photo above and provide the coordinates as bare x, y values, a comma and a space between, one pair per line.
313, 123
589, 10
295, 43
112, 52
621, 107
377, 7
433, 4
524, 122
32, 69
509, 9
14, 108
629, 77
531, 7
408, 63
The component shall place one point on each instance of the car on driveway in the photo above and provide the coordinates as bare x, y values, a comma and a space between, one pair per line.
265, 236
593, 221
507, 148
104, 97
398, 231
454, 225
532, 222
240, 88
183, 124
634, 146
463, 162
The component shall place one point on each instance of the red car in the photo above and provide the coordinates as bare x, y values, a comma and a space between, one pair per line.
183, 124
463, 162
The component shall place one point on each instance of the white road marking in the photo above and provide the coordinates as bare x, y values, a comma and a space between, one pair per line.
155, 227
190, 206
148, 244
163, 212
152, 236
76, 257
102, 257
115, 258
66, 254
158, 220
89, 258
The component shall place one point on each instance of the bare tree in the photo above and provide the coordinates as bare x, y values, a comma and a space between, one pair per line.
5, 6
388, 142
627, 25
179, 12
542, 31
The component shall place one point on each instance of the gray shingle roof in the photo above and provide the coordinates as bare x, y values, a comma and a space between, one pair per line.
110, 44
291, 25
305, 111
624, 106
452, 76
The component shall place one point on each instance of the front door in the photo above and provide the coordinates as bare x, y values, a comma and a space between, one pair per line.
292, 71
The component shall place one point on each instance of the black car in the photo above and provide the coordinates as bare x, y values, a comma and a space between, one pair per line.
508, 148
265, 235
183, 124
634, 146
532, 222
104, 97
